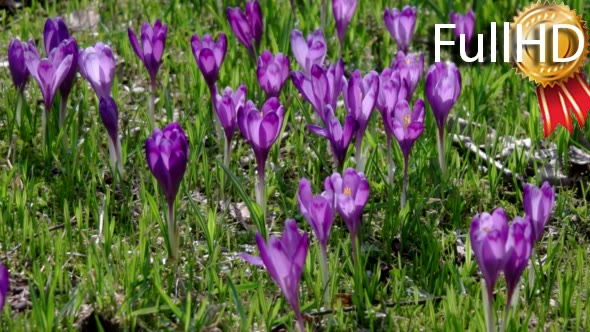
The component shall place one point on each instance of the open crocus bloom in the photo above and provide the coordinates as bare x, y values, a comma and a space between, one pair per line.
97, 66
310, 52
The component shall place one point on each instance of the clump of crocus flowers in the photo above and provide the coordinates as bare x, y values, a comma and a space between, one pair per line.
153, 42
499, 247
167, 156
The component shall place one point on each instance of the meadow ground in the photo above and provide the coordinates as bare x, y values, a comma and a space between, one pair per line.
85, 250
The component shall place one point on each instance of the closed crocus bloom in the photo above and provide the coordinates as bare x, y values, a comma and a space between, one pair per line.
538, 203
519, 246
49, 72
317, 210
401, 25
310, 52
247, 26
443, 86
167, 155
97, 66
391, 89
153, 42
227, 106
284, 260
70, 48
488, 234
410, 67
343, 10
337, 134
272, 72
209, 56
17, 63
464, 25
54, 32
4, 285
351, 194
109, 115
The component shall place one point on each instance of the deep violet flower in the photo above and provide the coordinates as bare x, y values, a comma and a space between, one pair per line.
209, 56
337, 134
284, 259
153, 42
247, 26
227, 107
4, 285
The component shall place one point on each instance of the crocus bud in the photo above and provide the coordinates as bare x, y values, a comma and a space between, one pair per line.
519, 246
443, 86
272, 72
17, 63
4, 285
411, 68
247, 26
167, 155
284, 260
261, 128
227, 106
537, 203
488, 234
310, 52
54, 32
338, 135
343, 10
49, 72
153, 42
109, 114
464, 25
209, 56
97, 66
406, 125
401, 25
350, 193
317, 210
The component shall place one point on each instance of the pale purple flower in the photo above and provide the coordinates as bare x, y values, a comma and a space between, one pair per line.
209, 56
227, 106
337, 134
343, 10
519, 246
401, 25
443, 87
406, 125
272, 72
97, 66
410, 67
317, 210
537, 203
310, 52
360, 95
391, 89
464, 25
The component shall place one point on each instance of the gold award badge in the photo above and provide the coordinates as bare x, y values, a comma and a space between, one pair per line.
549, 44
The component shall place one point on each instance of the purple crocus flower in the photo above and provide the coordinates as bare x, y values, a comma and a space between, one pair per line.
261, 129
153, 42
272, 72
343, 10
17, 63
406, 127
209, 56
109, 115
519, 246
167, 155
49, 72
443, 86
391, 89
537, 203
54, 32
411, 68
4, 285
350, 194
464, 25
226, 107
97, 66
339, 135
284, 260
70, 47
310, 52
247, 26
401, 25
317, 210
322, 88
360, 95
488, 234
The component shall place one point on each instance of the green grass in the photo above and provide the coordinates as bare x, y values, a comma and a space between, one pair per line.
82, 248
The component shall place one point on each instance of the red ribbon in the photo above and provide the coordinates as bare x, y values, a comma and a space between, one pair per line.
556, 101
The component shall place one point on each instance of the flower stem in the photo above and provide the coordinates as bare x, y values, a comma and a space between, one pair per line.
405, 183
391, 168
227, 152
119, 158
487, 296
19, 106
360, 167
152, 104
172, 232
300, 322
506, 311
63, 104
441, 150
325, 275
43, 126
259, 192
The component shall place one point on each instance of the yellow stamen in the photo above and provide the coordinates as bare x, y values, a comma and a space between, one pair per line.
486, 229
406, 120
347, 191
